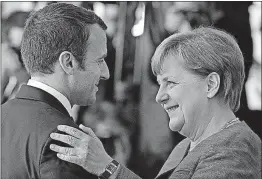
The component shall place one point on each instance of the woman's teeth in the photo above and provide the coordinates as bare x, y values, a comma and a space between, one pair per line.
172, 108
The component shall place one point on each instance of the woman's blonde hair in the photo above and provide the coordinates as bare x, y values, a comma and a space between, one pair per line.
205, 50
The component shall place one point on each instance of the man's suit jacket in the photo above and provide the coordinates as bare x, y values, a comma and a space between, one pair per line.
27, 122
233, 153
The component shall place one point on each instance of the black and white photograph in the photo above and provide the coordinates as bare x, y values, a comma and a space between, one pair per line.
131, 90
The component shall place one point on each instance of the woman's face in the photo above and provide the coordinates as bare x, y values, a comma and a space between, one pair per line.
184, 97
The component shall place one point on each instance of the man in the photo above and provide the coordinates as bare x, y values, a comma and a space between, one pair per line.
63, 49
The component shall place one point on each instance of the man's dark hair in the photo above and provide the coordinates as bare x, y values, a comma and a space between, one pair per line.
56, 28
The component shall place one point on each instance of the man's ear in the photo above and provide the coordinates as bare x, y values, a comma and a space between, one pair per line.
66, 62
213, 84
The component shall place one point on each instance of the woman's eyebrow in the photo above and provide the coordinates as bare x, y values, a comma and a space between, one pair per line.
165, 79
169, 77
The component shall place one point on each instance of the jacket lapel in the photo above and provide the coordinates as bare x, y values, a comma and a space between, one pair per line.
36, 94
175, 157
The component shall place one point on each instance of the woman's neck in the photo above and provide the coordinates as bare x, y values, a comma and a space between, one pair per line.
217, 122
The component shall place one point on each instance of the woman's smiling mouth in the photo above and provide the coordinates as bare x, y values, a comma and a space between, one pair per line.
171, 108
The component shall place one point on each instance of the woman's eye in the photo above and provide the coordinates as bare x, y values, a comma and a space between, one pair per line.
171, 83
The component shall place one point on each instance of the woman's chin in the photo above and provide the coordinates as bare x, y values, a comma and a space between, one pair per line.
176, 124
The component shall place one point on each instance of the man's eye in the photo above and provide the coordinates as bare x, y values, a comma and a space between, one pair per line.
100, 61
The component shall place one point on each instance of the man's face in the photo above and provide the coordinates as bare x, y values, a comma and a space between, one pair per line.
95, 68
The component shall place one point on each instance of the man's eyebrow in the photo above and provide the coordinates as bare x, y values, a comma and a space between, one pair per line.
104, 56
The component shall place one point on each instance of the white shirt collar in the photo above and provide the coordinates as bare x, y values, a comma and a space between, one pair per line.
53, 92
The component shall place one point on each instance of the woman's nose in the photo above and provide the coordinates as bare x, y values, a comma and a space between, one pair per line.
161, 97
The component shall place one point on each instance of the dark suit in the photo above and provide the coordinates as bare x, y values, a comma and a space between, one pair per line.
233, 153
27, 122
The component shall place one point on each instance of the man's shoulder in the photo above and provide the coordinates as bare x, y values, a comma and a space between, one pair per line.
28, 117
51, 166
34, 108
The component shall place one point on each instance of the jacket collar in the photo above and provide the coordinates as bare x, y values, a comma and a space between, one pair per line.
57, 94
175, 157
36, 94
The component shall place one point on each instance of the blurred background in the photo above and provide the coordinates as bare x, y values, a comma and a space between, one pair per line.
132, 126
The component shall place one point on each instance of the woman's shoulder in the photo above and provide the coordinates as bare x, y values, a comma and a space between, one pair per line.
238, 133
234, 138
234, 151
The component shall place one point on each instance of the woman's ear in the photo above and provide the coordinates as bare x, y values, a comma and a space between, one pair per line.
213, 84
66, 62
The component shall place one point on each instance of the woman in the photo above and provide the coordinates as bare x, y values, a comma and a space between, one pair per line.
201, 75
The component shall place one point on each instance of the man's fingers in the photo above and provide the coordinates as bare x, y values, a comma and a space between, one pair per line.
65, 138
71, 131
63, 150
72, 159
87, 130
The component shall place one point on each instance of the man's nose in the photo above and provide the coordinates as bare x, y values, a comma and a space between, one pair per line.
161, 96
105, 72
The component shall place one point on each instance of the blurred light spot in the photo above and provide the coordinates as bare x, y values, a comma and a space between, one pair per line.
99, 9
138, 28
